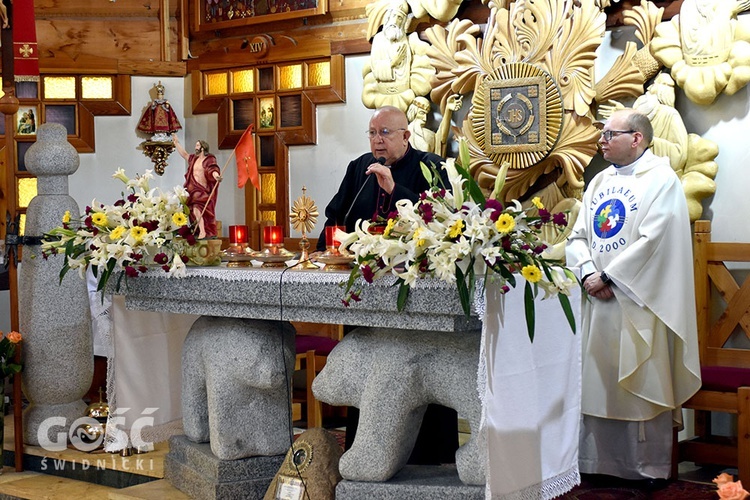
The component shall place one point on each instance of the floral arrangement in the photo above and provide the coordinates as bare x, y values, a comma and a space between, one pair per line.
729, 489
7, 352
145, 229
458, 236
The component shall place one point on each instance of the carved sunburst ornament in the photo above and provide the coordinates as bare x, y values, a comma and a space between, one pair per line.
304, 213
522, 115
550, 42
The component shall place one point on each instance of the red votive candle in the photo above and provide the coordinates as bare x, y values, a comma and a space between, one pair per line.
272, 235
331, 240
237, 235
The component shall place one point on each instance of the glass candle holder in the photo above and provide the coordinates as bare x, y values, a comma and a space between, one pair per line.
331, 241
238, 235
273, 235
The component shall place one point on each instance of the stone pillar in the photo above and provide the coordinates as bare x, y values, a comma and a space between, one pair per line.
55, 319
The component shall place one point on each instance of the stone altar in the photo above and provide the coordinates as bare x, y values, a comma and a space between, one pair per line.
283, 295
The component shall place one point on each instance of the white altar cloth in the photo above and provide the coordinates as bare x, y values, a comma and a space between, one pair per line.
144, 379
532, 397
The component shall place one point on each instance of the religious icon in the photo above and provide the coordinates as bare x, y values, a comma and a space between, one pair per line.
26, 120
267, 118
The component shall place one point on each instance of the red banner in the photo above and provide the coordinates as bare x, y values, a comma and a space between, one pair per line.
25, 50
247, 165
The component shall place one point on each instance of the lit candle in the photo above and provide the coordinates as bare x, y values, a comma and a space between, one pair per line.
331, 241
237, 235
272, 235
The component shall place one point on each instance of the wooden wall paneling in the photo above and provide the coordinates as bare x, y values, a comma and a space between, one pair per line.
125, 38
282, 185
305, 133
201, 102
84, 142
102, 9
119, 105
337, 91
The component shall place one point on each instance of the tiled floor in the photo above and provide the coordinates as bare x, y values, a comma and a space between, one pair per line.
39, 486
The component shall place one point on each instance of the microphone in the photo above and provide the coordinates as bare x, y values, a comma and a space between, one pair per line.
380, 160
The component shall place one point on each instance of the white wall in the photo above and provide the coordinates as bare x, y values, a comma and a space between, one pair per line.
117, 146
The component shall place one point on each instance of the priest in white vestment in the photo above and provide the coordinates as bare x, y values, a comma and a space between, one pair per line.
632, 243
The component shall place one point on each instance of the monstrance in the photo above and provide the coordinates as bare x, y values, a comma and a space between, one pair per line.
304, 215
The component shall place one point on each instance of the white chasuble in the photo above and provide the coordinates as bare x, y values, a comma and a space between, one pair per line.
640, 349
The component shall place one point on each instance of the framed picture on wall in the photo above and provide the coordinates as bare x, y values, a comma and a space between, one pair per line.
267, 113
26, 119
219, 14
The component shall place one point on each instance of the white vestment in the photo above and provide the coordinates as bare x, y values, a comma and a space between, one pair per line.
640, 349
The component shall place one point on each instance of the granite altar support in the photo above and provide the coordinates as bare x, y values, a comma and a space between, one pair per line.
234, 386
54, 316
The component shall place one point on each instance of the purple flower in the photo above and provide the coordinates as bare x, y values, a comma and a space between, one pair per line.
560, 219
496, 207
132, 198
544, 215
355, 297
427, 212
119, 203
161, 258
151, 225
367, 273
130, 272
541, 248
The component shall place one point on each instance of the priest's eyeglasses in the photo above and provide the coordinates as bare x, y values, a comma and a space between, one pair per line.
607, 135
385, 133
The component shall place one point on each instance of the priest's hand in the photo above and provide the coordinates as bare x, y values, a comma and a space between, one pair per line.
384, 176
597, 288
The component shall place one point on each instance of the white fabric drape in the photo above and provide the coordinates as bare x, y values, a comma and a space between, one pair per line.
145, 376
532, 397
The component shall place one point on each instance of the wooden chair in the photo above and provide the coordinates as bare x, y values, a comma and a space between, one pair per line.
313, 342
725, 371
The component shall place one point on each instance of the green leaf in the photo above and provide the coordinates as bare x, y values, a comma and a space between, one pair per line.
475, 192
528, 302
426, 172
565, 303
463, 292
403, 294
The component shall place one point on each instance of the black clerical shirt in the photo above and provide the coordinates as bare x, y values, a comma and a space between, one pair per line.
373, 201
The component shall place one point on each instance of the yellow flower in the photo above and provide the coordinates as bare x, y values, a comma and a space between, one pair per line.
66, 217
389, 227
420, 241
117, 233
456, 229
505, 223
138, 232
537, 202
531, 273
179, 219
99, 218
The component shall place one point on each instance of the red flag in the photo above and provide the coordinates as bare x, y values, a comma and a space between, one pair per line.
247, 165
25, 50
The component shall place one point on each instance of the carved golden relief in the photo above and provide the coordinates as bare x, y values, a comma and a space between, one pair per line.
557, 39
706, 47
